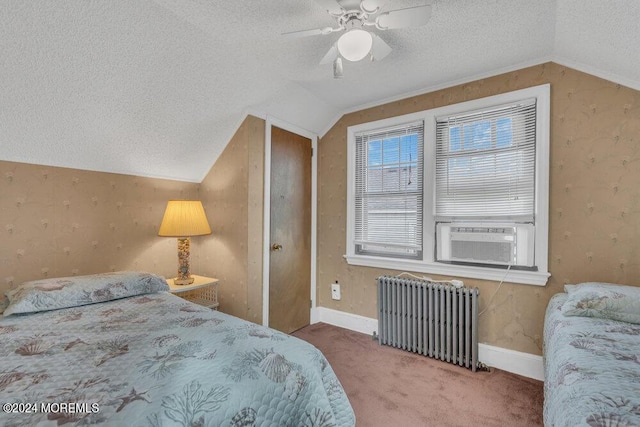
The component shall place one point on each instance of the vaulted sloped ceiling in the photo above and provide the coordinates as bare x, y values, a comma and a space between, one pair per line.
158, 87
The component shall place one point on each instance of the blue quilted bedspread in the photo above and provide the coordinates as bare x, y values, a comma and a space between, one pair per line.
158, 360
592, 370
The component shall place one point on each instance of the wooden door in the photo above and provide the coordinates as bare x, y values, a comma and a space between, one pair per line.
290, 228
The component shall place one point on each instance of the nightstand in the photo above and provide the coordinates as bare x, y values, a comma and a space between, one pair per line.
203, 291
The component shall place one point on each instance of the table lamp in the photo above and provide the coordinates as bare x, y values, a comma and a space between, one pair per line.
183, 219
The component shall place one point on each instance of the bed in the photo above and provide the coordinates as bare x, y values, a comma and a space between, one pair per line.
149, 358
592, 357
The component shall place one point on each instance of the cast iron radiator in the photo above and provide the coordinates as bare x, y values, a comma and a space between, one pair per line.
429, 318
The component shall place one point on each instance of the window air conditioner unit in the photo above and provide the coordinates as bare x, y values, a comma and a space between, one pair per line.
475, 243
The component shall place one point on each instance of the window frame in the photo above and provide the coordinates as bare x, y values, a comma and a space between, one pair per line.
428, 264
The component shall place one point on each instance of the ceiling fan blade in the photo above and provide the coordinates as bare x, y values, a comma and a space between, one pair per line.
330, 56
400, 18
380, 48
372, 6
306, 33
331, 6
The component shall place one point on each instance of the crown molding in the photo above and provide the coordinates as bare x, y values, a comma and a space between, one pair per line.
594, 71
492, 73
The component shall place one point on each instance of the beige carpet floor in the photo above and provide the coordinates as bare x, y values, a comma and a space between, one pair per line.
392, 387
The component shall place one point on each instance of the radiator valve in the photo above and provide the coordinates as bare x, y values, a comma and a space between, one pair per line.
457, 283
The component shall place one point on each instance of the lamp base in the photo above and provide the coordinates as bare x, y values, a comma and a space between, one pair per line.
184, 269
186, 281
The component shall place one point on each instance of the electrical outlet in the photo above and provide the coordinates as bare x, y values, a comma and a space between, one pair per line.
335, 291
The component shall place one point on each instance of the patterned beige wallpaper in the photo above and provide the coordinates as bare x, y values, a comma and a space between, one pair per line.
63, 222
232, 194
594, 199
58, 222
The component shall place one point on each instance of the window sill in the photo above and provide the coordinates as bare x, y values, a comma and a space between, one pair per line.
536, 278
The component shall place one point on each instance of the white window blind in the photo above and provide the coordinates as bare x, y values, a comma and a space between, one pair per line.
389, 191
485, 164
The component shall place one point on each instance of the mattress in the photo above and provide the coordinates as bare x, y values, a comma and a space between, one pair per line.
158, 360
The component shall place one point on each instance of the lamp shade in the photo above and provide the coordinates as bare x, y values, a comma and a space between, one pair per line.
184, 218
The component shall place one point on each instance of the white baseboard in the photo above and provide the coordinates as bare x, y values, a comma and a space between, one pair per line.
517, 362
353, 322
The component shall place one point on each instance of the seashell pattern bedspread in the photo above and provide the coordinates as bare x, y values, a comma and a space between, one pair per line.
158, 360
592, 370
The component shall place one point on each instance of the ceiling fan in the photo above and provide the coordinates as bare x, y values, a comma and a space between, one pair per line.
354, 17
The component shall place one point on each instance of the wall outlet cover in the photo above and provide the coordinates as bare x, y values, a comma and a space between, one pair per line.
335, 291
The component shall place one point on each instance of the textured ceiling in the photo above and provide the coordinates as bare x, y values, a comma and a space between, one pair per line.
158, 87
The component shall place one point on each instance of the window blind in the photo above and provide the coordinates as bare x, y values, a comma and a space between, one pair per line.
485, 164
389, 191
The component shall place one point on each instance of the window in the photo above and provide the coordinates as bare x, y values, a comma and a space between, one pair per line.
485, 186
389, 190
460, 190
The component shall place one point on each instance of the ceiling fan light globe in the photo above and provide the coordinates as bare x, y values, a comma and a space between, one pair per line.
354, 45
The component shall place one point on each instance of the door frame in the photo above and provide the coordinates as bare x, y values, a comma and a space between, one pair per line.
266, 252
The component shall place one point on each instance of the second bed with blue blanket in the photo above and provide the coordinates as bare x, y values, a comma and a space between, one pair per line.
592, 370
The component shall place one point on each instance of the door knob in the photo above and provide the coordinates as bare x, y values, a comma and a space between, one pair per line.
276, 247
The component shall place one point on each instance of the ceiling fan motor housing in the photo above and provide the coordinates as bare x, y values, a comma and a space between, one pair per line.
352, 20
